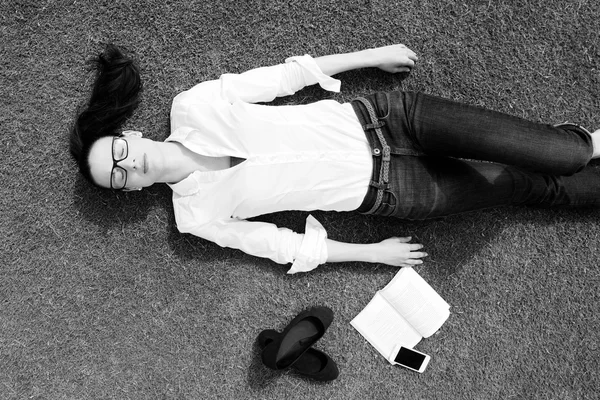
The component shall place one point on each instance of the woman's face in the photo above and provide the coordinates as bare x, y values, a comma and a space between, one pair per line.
125, 162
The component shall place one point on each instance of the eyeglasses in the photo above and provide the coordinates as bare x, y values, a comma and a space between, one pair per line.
118, 174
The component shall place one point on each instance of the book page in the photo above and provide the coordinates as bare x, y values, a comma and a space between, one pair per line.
416, 301
383, 327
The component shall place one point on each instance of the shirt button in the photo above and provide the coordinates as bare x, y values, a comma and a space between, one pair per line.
376, 151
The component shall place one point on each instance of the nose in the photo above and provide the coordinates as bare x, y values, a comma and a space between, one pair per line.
130, 164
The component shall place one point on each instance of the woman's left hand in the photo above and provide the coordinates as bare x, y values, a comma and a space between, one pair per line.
397, 251
394, 58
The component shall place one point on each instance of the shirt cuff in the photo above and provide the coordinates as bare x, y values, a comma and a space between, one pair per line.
313, 74
313, 250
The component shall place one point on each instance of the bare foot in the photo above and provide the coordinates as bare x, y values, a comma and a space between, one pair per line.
596, 143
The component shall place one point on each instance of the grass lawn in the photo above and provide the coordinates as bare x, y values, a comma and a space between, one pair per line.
102, 298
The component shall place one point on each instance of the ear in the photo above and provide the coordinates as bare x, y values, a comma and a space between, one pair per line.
132, 133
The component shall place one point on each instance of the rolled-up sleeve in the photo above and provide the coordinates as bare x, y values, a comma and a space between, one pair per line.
312, 74
313, 250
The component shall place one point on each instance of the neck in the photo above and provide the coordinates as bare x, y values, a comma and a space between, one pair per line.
179, 162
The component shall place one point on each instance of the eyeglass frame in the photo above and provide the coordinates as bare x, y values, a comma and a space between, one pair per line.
115, 161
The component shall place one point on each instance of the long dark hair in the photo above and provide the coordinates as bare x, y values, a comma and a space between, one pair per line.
115, 95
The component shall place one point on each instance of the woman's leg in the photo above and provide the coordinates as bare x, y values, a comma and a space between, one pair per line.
430, 187
443, 127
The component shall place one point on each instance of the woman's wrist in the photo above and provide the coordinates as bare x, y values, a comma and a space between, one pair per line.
369, 57
338, 63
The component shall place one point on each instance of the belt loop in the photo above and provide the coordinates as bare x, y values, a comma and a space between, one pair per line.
374, 125
386, 153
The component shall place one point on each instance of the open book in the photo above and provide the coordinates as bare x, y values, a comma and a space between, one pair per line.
403, 312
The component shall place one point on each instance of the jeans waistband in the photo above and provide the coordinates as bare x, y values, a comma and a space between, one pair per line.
381, 154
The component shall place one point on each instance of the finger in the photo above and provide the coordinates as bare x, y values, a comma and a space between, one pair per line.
403, 66
415, 246
404, 239
417, 254
410, 263
409, 63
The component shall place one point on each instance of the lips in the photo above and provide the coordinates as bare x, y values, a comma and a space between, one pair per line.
145, 164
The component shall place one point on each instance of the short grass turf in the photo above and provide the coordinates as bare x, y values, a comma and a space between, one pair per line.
102, 298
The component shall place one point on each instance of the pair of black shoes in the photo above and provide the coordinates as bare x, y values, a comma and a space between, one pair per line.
292, 348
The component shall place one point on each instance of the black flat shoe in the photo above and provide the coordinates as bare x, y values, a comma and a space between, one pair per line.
312, 364
301, 333
266, 337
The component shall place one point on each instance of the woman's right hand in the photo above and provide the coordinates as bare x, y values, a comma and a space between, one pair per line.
397, 251
395, 58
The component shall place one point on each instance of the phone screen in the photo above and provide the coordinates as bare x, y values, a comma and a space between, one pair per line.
410, 358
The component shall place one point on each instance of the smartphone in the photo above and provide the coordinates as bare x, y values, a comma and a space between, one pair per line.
409, 358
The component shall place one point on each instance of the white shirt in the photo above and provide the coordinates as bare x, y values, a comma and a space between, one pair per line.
298, 157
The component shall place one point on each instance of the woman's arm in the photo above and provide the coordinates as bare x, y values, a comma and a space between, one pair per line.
394, 58
265, 83
393, 251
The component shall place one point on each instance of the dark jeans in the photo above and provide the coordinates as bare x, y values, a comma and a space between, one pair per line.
434, 142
